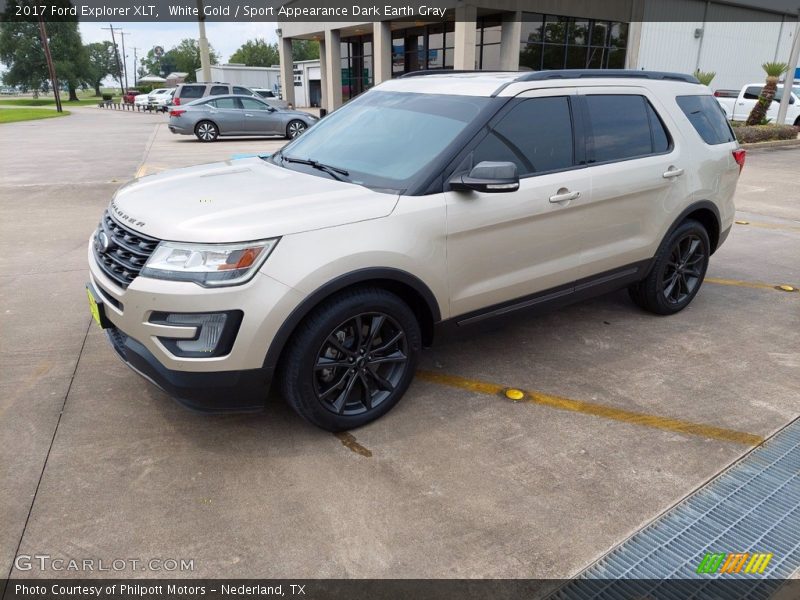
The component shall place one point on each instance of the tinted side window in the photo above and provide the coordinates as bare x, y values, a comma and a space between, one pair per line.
192, 91
752, 92
661, 141
225, 103
619, 127
707, 117
242, 90
536, 135
252, 104
218, 90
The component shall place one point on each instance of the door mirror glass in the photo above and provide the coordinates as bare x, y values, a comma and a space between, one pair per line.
488, 177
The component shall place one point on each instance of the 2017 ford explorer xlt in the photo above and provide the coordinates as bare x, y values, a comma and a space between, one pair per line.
429, 200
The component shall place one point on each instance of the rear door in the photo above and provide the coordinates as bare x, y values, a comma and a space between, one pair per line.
227, 113
638, 178
503, 248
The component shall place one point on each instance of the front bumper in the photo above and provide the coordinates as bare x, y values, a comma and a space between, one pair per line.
235, 381
207, 392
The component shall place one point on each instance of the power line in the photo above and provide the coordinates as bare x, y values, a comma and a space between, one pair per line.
116, 55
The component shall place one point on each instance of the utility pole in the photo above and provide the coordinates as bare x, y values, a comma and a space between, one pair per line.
135, 71
124, 58
789, 79
116, 55
50, 66
205, 61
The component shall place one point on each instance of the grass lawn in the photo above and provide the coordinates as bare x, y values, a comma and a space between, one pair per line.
12, 115
49, 101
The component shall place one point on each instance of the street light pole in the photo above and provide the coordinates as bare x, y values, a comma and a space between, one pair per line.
50, 66
789, 80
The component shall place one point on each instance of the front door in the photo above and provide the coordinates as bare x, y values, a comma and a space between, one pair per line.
258, 118
503, 247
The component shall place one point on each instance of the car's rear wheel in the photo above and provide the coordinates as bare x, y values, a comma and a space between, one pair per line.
295, 128
678, 271
206, 131
352, 359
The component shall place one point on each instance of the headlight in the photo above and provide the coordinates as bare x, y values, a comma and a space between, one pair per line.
208, 264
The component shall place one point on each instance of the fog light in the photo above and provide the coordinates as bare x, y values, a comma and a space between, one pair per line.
216, 332
210, 327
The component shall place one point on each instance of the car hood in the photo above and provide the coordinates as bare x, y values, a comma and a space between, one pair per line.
241, 200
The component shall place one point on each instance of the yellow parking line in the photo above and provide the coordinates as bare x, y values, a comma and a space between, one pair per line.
752, 284
590, 408
765, 225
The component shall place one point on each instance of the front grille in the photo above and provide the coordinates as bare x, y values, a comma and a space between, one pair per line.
127, 251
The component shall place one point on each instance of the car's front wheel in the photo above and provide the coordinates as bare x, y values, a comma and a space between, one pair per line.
295, 128
678, 271
352, 359
206, 131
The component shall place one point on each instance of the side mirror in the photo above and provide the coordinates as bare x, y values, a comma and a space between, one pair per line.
488, 177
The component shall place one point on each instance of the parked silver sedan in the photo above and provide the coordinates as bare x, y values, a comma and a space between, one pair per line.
211, 117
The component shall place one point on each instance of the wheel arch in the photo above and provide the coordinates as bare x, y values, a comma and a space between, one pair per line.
707, 214
410, 288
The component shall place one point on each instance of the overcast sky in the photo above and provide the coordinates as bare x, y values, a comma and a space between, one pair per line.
225, 38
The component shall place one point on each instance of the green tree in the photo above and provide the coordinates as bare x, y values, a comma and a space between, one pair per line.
256, 53
69, 55
705, 77
305, 50
759, 113
183, 58
21, 50
101, 63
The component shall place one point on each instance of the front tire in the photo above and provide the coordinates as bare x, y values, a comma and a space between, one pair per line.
678, 271
352, 359
206, 131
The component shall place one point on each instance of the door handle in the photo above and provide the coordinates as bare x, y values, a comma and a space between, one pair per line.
247, 115
672, 172
563, 195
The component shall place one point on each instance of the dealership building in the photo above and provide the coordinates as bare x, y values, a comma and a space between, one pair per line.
730, 38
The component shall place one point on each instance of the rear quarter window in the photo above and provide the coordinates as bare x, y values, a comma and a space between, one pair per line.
708, 118
192, 91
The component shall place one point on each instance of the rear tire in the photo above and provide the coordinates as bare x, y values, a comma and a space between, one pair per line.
352, 359
678, 270
206, 131
295, 128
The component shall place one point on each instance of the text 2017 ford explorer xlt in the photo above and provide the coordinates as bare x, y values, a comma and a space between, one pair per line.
440, 199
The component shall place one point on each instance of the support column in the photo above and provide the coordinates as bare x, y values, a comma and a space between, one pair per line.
323, 73
333, 69
382, 51
287, 70
465, 37
510, 34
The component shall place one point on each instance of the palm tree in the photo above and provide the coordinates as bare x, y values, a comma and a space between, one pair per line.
759, 113
705, 77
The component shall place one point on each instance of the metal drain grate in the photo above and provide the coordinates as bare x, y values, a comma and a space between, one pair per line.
753, 507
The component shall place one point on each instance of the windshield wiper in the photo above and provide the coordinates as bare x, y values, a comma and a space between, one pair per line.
335, 172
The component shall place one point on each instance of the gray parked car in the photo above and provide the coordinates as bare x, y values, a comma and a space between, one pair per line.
209, 118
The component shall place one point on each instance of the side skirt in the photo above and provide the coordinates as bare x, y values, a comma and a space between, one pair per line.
589, 287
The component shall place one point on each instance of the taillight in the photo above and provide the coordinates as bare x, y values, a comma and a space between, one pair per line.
739, 156
176, 112
176, 101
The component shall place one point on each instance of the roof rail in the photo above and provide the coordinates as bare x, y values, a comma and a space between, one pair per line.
605, 73
448, 72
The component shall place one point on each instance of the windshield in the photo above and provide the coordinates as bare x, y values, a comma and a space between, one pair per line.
384, 139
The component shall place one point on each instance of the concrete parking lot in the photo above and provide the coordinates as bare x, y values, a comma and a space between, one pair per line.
623, 414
